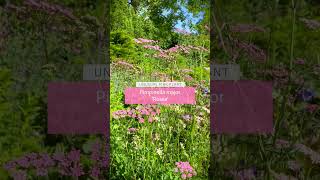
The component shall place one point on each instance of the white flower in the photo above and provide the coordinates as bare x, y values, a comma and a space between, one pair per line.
159, 152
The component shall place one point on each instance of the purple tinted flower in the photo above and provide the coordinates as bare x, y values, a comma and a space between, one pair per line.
131, 130
38, 163
23, 162
19, 175
205, 91
186, 117
76, 170
74, 155
306, 95
186, 169
95, 171
41, 172
300, 61
104, 162
95, 155
32, 156
46, 160
10, 165
310, 23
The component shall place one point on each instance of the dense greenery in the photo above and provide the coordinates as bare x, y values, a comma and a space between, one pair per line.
275, 40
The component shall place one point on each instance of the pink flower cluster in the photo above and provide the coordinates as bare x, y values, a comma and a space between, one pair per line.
67, 164
185, 169
157, 48
140, 113
99, 155
49, 8
314, 156
144, 41
184, 49
167, 54
132, 130
163, 55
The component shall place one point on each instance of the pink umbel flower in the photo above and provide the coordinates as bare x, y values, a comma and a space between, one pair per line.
144, 41
185, 169
157, 48
132, 130
141, 120
313, 155
311, 23
294, 165
140, 113
168, 53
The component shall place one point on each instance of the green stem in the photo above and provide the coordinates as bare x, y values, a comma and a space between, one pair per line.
288, 89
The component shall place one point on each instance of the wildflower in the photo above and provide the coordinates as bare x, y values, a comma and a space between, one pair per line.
10, 165
150, 120
251, 50
205, 91
141, 120
312, 24
282, 144
144, 41
314, 156
299, 61
95, 154
76, 170
49, 8
156, 137
32, 156
19, 175
23, 162
306, 95
186, 117
95, 171
157, 48
74, 155
312, 107
124, 64
294, 165
316, 69
159, 152
188, 77
186, 169
41, 171
131, 130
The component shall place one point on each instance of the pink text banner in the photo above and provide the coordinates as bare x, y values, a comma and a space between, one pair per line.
177, 95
